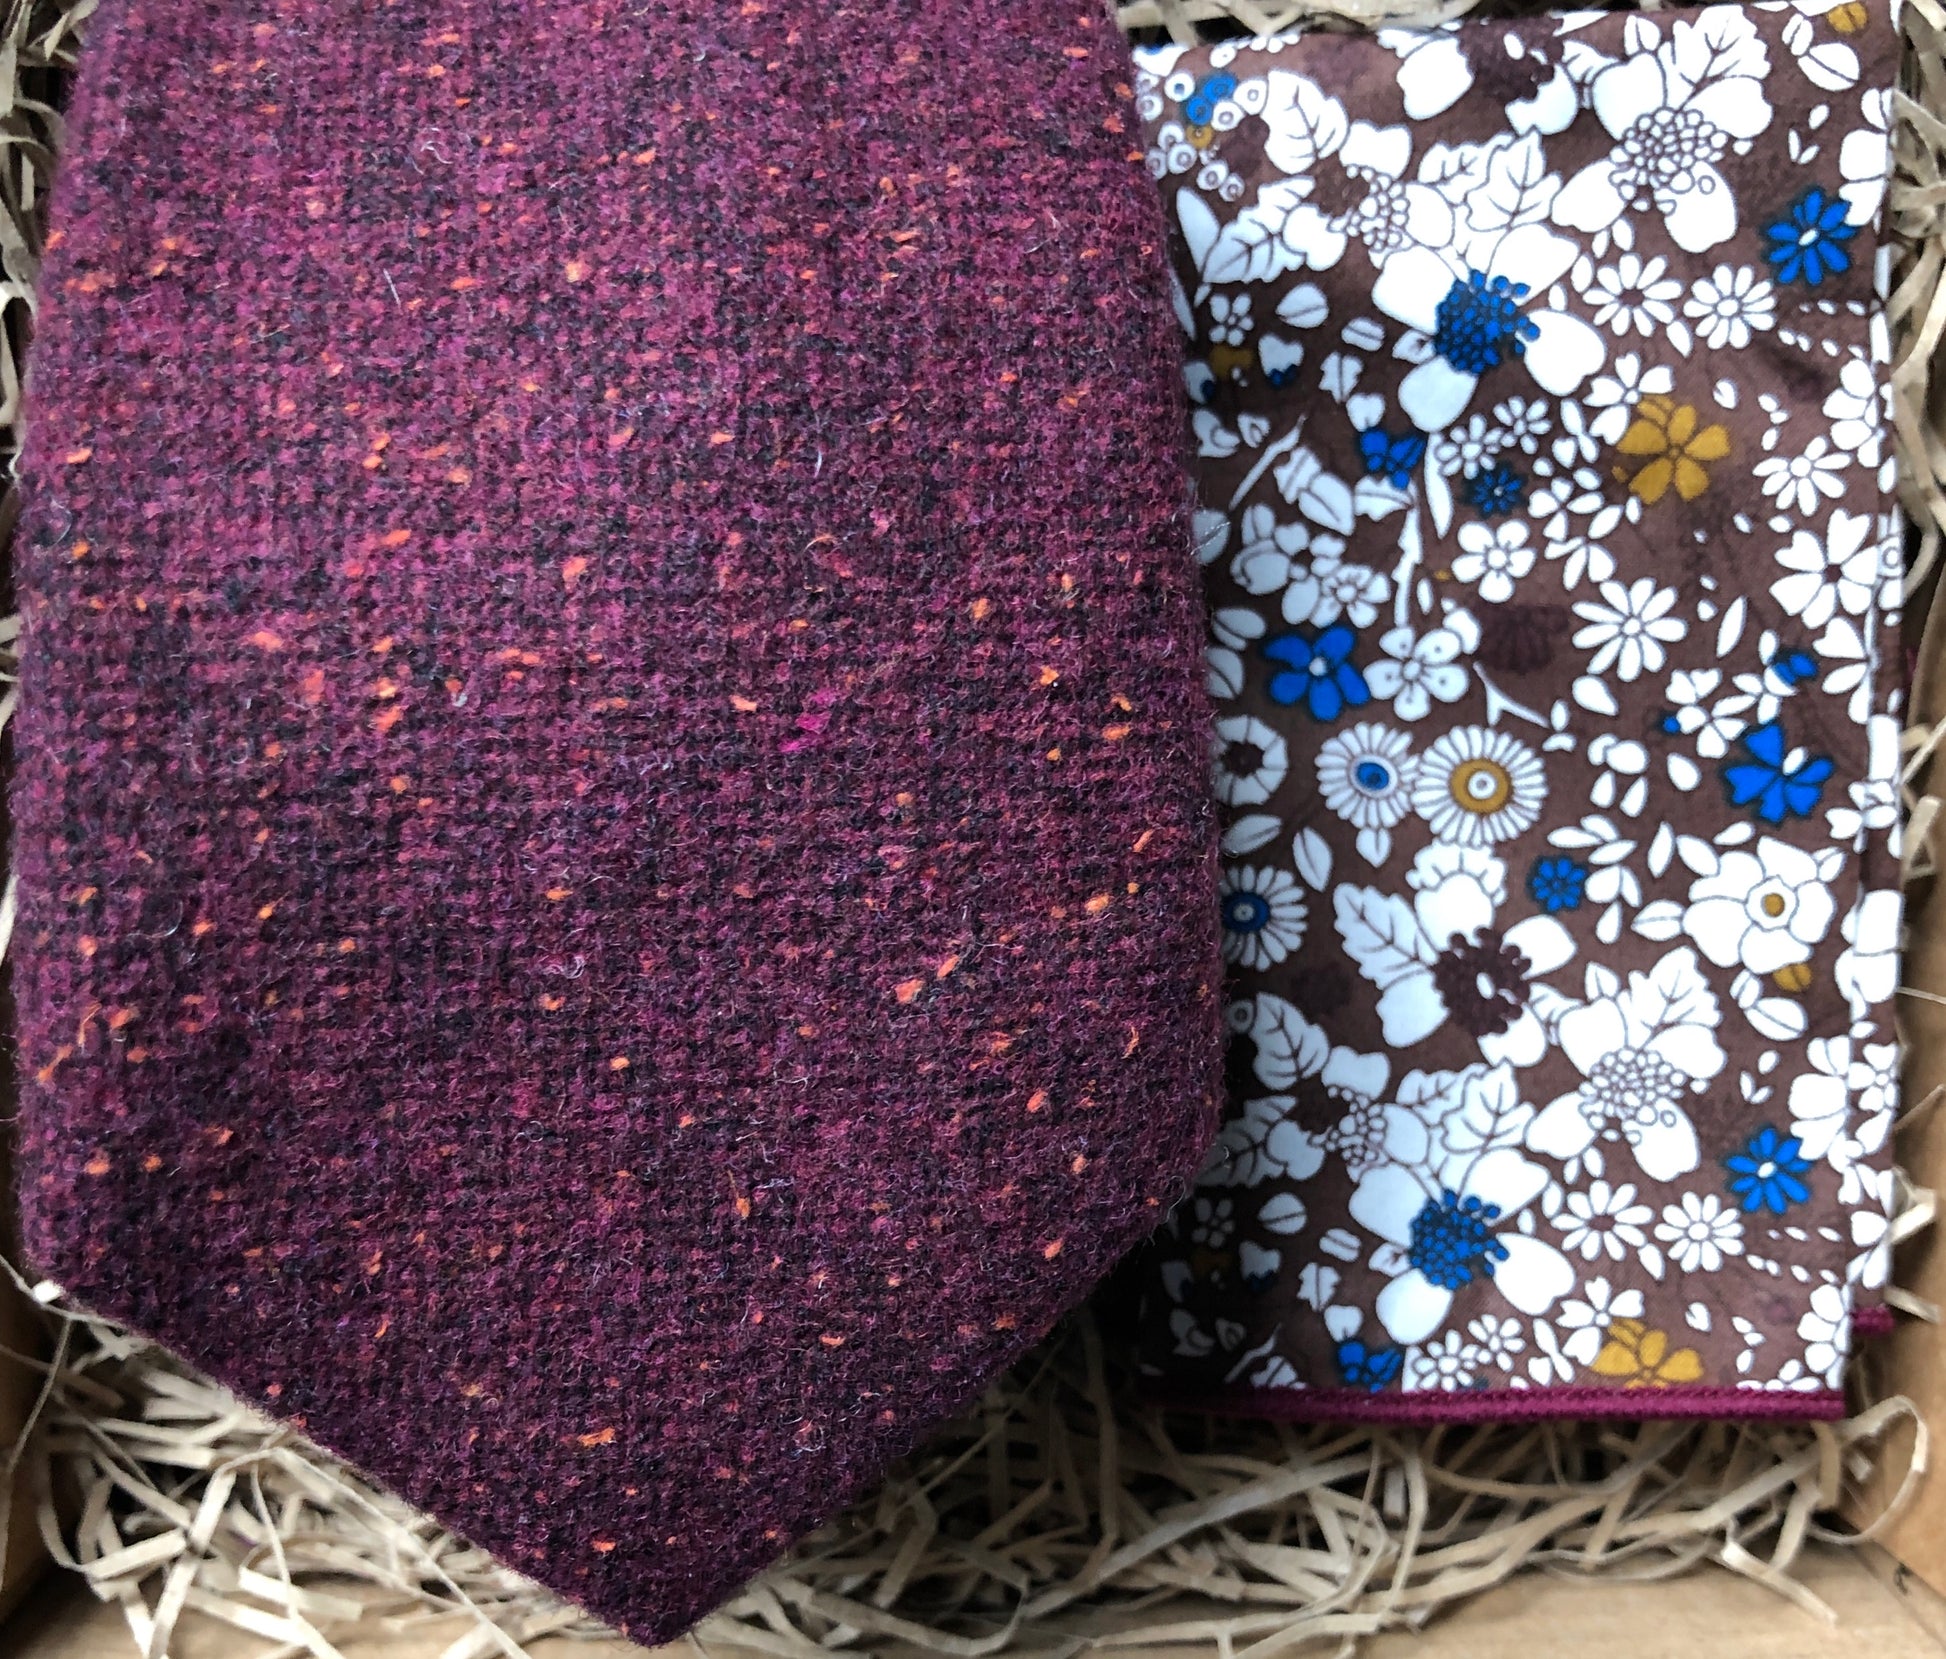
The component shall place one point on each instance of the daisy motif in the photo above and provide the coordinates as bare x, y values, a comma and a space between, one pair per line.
1477, 786
1643, 1049
1603, 1219
1799, 481
1729, 305
1699, 1231
1478, 319
1251, 760
1634, 293
1365, 776
1263, 916
1628, 628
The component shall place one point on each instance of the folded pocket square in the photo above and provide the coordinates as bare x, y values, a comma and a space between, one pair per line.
1553, 585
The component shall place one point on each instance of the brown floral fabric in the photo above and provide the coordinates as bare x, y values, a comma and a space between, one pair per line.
1536, 373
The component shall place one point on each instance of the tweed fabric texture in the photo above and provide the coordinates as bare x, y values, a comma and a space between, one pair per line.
1554, 587
618, 898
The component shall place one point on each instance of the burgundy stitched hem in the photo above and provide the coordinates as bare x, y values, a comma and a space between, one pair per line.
1355, 1405
1874, 1321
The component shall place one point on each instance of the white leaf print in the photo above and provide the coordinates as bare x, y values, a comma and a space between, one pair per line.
1343, 1323
1199, 227
1660, 921
1730, 629
1698, 854
1592, 693
1285, 1213
1342, 1243
1254, 429
1341, 372
1304, 306
1518, 190
1831, 65
1439, 497
1317, 1284
1250, 832
1251, 247
1698, 1316
1380, 933
1313, 856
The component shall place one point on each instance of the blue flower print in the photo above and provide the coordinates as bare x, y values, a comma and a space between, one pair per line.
1318, 672
1390, 457
1808, 243
1558, 884
1791, 666
1497, 490
1453, 1242
1765, 1175
1369, 1368
1767, 780
1199, 108
1479, 324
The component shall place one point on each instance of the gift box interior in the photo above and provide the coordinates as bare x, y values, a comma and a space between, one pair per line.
144, 1511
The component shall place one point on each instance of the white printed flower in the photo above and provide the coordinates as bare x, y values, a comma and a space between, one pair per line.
1455, 1217
1603, 1219
1764, 910
1230, 319
1233, 629
1728, 305
1633, 293
1365, 775
1467, 448
1212, 1222
1642, 1051
1800, 481
1858, 408
1331, 590
1825, 1330
1268, 551
1674, 108
1699, 1231
1628, 627
1251, 760
1841, 571
1417, 670
1477, 319
1477, 786
1867, 970
1715, 726
1585, 1321
1497, 1340
1493, 557
1447, 1363
1444, 956
1865, 157
1614, 396
1263, 916
1821, 1098
1523, 422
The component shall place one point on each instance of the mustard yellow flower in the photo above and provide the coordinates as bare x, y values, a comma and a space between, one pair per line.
1666, 432
1642, 1358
